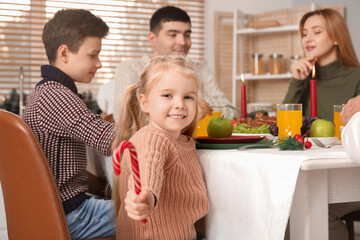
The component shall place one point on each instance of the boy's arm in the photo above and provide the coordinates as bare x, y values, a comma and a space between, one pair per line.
63, 113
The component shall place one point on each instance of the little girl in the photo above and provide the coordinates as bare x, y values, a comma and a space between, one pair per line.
155, 111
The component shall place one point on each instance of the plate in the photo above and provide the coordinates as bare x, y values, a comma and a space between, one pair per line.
325, 140
261, 144
231, 140
267, 135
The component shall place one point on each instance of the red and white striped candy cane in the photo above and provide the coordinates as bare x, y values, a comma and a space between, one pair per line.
134, 163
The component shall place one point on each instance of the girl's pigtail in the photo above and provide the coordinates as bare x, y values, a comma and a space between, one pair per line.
128, 122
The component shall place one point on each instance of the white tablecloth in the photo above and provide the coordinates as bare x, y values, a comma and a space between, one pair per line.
251, 192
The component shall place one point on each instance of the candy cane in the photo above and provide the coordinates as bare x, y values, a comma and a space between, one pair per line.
134, 163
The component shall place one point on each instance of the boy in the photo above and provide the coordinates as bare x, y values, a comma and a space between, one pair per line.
63, 124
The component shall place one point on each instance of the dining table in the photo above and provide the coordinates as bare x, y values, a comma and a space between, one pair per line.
255, 193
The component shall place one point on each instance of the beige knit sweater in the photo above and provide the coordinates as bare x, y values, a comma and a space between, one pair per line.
170, 169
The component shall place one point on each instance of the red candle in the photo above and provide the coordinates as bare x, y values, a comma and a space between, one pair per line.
134, 163
313, 95
243, 97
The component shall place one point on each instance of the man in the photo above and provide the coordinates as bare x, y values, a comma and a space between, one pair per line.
170, 33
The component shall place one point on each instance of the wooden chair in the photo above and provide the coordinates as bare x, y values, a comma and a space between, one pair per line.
32, 201
349, 219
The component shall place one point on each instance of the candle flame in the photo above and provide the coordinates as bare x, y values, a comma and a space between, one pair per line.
313, 71
242, 78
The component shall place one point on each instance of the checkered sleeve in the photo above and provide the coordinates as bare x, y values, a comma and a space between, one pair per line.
64, 114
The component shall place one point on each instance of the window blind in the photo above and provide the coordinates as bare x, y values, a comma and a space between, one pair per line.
22, 21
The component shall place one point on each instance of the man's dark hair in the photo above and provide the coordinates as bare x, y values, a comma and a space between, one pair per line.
71, 27
167, 14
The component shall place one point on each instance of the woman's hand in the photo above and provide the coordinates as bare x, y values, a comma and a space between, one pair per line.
302, 68
139, 207
352, 107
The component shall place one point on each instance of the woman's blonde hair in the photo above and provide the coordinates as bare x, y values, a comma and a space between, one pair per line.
132, 118
338, 32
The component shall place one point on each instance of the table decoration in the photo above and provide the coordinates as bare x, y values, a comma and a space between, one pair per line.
313, 95
297, 142
134, 163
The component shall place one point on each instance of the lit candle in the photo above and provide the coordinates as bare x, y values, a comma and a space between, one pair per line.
313, 95
243, 97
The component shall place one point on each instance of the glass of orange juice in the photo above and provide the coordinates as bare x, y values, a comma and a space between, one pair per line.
289, 119
337, 120
201, 127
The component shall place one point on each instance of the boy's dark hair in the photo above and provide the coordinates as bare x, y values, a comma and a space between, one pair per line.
71, 27
167, 14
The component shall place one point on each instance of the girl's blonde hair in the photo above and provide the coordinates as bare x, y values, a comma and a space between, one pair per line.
338, 32
132, 118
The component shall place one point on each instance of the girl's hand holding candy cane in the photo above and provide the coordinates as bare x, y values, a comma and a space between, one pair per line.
138, 202
139, 207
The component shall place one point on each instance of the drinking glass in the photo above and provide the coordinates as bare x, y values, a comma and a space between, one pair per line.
289, 120
337, 120
201, 127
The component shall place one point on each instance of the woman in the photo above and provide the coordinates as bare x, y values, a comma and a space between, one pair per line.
326, 43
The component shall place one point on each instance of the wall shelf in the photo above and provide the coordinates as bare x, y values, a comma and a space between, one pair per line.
270, 30
275, 38
249, 76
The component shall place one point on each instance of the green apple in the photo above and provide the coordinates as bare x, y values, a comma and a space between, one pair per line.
219, 127
322, 128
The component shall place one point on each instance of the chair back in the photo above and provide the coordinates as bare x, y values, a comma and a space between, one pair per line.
32, 202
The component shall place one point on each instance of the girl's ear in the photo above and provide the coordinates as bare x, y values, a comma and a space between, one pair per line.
143, 103
63, 53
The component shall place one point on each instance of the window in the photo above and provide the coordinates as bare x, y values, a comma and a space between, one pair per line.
21, 23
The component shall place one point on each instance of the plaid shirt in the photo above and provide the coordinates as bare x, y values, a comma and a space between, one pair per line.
64, 127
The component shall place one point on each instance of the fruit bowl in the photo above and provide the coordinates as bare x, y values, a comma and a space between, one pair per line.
325, 140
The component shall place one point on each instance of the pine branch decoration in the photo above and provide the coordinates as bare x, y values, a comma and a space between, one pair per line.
290, 144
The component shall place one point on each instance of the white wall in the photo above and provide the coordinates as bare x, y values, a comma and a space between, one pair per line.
250, 7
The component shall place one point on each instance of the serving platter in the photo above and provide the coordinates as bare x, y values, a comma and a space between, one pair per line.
267, 135
261, 144
231, 140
